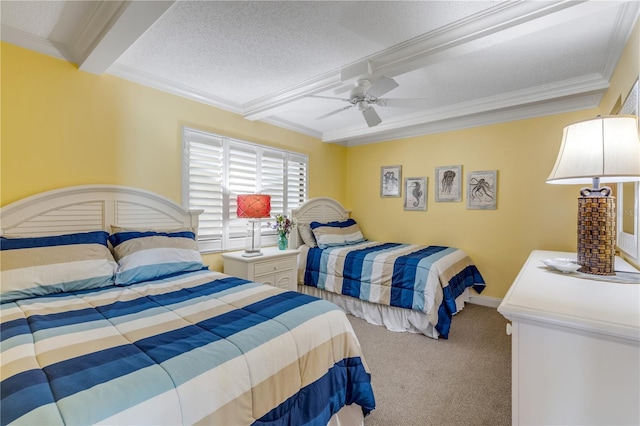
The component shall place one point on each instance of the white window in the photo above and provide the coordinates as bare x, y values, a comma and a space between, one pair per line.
216, 169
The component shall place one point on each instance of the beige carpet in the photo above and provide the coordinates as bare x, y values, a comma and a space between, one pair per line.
465, 380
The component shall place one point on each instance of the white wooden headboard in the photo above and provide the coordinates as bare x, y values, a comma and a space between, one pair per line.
321, 209
91, 208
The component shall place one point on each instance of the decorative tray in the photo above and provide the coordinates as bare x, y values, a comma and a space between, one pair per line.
562, 264
570, 267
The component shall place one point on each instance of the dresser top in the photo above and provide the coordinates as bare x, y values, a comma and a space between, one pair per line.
590, 305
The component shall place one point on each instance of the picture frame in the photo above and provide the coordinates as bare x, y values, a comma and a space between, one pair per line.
390, 181
415, 193
448, 185
482, 190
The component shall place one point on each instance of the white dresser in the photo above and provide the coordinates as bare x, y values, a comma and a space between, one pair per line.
575, 347
275, 267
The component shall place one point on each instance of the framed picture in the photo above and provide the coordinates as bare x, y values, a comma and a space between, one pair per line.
415, 193
449, 183
482, 190
390, 179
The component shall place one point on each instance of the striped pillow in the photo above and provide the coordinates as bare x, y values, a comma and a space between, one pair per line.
150, 255
337, 233
37, 266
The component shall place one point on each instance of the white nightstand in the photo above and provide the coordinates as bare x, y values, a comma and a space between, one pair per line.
275, 267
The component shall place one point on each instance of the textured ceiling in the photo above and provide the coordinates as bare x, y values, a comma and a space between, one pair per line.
242, 51
471, 62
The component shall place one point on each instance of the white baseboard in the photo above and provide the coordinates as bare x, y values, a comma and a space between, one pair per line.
492, 302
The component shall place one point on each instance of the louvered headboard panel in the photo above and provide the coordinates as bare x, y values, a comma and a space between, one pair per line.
321, 209
90, 208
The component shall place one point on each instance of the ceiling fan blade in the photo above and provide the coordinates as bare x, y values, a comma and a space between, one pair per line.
334, 112
381, 86
402, 102
371, 116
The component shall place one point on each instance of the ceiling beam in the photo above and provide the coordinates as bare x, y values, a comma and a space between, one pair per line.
117, 25
498, 25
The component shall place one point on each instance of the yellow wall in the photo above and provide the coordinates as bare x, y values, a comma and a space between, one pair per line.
62, 127
530, 215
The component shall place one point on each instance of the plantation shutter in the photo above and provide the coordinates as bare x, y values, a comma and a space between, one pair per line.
218, 169
296, 179
205, 185
272, 183
242, 179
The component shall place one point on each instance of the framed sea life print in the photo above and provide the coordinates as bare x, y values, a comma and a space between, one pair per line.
390, 180
415, 193
482, 190
449, 183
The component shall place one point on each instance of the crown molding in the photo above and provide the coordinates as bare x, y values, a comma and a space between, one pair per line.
540, 100
273, 103
168, 86
627, 16
29, 41
522, 112
456, 122
285, 124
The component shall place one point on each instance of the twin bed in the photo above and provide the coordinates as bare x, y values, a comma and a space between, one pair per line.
405, 287
109, 316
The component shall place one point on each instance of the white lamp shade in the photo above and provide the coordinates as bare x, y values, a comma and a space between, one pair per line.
605, 147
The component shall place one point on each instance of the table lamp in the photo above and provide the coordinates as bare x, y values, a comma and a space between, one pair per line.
253, 207
604, 149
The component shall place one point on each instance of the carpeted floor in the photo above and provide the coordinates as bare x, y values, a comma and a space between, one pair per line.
465, 380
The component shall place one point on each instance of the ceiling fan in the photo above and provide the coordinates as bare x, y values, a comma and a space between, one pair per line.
365, 94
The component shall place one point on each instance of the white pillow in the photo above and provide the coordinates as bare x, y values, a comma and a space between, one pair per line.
307, 235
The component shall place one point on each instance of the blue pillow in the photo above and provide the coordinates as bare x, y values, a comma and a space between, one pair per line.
150, 255
37, 266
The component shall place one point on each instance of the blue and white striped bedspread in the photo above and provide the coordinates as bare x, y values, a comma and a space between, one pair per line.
198, 348
423, 278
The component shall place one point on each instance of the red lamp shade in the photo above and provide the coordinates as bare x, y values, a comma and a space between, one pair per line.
254, 206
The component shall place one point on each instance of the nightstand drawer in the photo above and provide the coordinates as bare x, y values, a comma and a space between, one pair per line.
272, 266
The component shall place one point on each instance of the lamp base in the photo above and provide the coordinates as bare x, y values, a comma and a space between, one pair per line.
252, 241
597, 234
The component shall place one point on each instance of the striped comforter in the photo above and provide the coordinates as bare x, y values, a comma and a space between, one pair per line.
201, 347
423, 278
